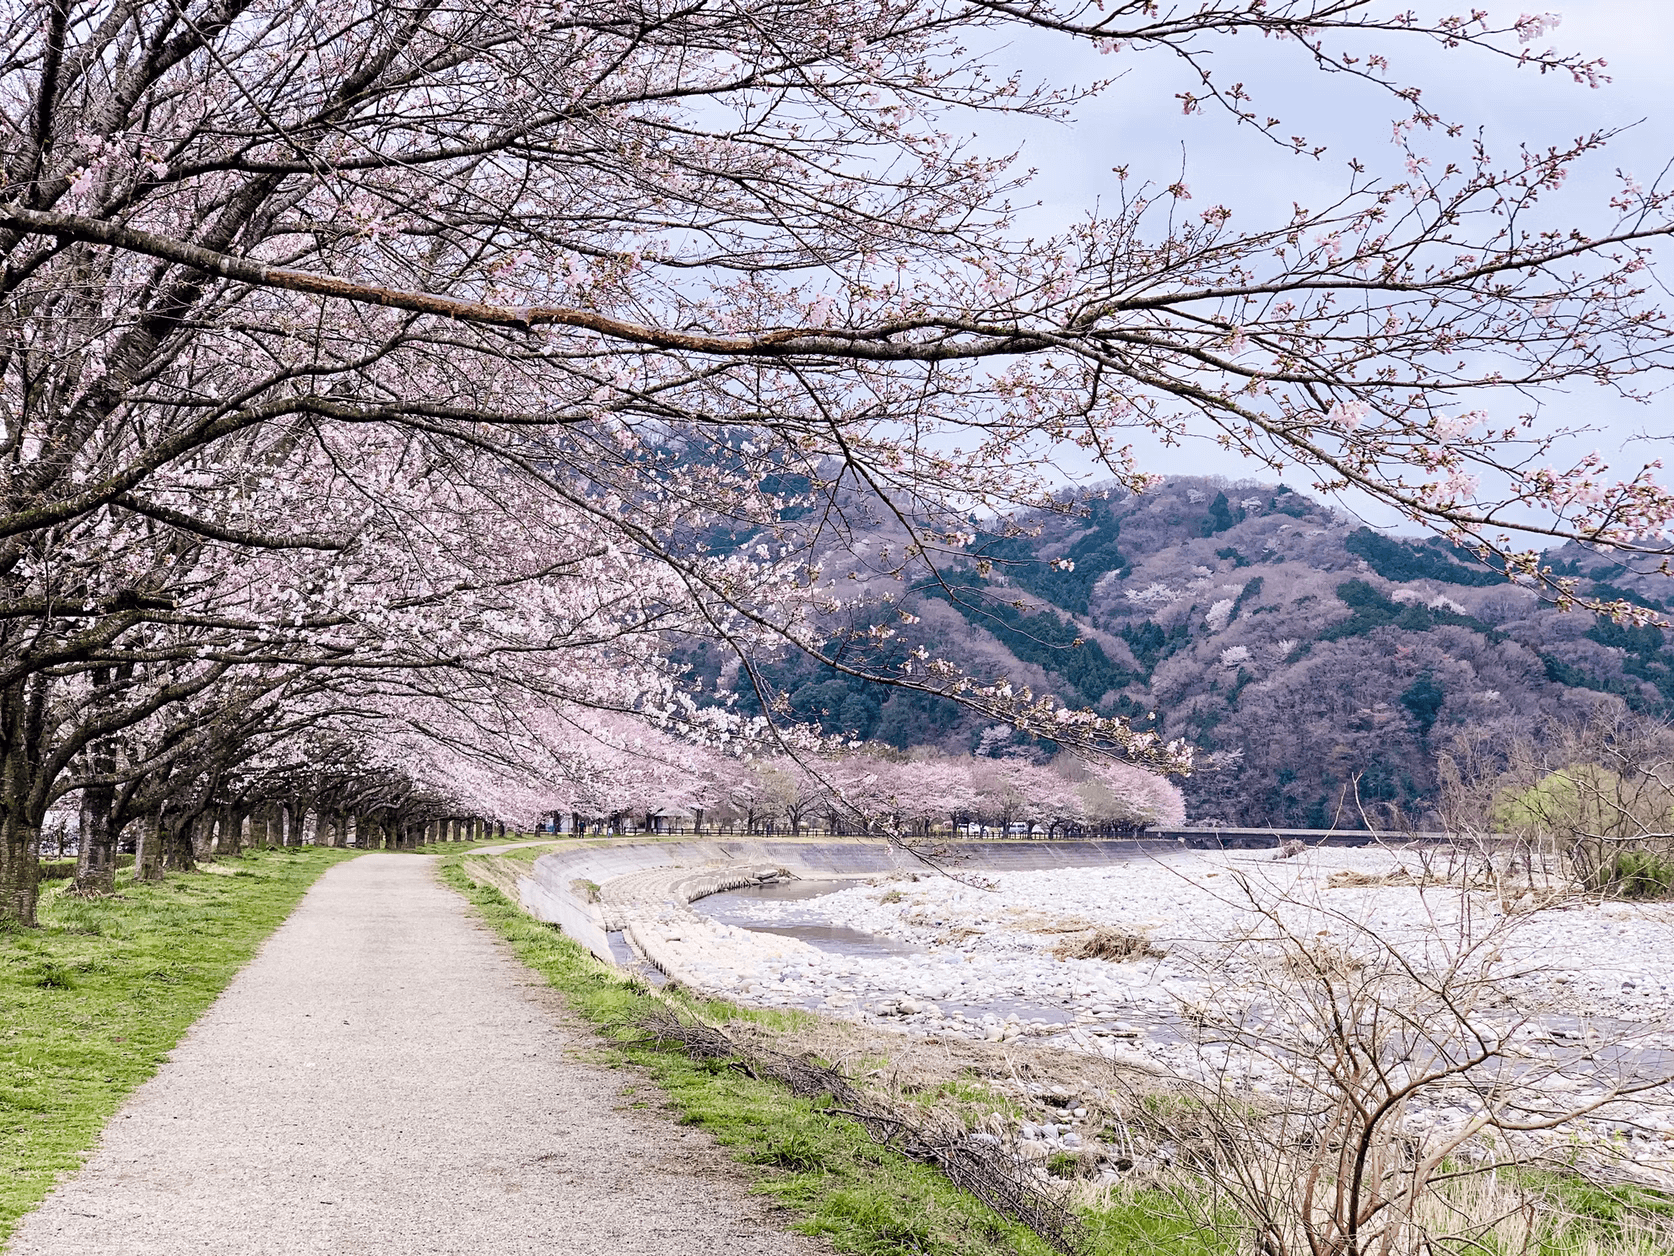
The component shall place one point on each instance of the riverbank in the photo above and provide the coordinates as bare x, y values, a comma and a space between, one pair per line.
1104, 1112
1125, 962
846, 1188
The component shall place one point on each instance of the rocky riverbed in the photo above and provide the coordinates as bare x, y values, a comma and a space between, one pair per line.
984, 940
1130, 961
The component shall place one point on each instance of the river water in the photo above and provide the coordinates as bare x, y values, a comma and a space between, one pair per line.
742, 909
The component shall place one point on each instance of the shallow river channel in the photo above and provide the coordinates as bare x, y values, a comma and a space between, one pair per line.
742, 909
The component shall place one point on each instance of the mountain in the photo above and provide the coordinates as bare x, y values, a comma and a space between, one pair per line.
1308, 656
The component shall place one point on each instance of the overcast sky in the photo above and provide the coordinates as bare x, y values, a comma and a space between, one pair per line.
1139, 123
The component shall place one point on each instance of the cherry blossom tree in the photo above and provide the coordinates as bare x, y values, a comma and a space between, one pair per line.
1117, 793
933, 788
471, 356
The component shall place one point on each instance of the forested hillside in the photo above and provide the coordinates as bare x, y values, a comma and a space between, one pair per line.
1307, 655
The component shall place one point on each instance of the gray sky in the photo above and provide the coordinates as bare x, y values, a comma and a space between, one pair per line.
1137, 122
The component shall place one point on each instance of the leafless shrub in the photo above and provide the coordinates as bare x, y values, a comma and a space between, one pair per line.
1360, 1097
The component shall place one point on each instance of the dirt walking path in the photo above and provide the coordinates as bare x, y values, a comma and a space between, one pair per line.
384, 1078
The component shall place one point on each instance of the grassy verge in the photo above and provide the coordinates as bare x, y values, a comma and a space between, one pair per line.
862, 1197
92, 1000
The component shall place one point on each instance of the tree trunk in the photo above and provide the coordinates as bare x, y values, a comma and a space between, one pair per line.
203, 836
96, 860
22, 714
96, 852
177, 845
148, 857
230, 840
20, 858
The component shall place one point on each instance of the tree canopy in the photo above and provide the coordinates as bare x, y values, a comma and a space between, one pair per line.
427, 375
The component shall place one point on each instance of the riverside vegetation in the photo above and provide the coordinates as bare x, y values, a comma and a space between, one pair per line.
92, 1001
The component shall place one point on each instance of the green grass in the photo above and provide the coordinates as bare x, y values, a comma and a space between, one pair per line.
62, 869
92, 1000
1642, 874
528, 854
840, 1185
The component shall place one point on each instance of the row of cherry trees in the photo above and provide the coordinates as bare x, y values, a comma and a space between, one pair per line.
918, 795
390, 395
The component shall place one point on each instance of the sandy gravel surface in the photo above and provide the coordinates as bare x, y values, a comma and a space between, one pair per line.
980, 946
384, 1078
1582, 994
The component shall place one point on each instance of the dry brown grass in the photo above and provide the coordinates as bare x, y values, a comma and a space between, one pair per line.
496, 870
991, 1087
1515, 891
1321, 961
1115, 945
1082, 939
1349, 879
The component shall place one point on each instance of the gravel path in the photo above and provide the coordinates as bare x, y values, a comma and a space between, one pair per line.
384, 1078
